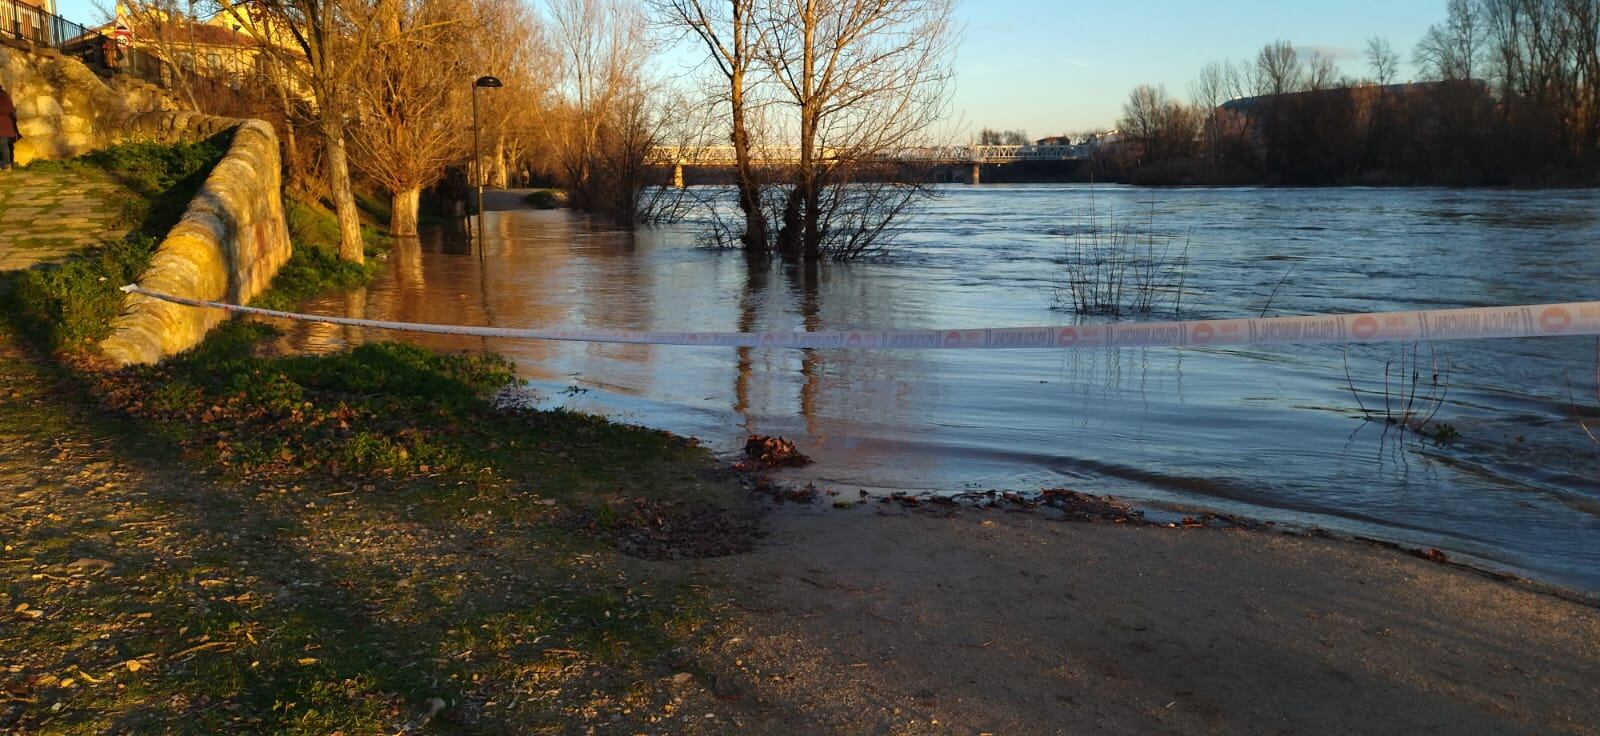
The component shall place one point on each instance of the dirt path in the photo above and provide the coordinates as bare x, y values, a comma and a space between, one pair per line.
53, 213
857, 622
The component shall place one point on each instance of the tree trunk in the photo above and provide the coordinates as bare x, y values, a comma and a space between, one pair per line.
351, 247
291, 152
403, 212
498, 172
755, 221
800, 216
789, 231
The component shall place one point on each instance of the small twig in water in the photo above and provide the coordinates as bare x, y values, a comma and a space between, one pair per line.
1352, 383
1275, 289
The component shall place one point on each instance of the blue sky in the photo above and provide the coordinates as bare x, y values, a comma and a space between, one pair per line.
1052, 66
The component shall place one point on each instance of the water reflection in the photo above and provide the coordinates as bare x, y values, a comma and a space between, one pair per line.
1271, 431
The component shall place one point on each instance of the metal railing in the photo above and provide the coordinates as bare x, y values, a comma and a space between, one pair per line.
24, 22
136, 63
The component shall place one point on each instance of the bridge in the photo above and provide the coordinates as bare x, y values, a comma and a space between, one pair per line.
974, 155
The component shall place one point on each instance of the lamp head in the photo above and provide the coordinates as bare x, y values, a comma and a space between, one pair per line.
487, 82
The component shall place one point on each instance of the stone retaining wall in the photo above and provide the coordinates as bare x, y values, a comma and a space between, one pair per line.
227, 247
64, 109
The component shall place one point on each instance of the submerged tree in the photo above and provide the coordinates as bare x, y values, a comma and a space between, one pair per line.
604, 129
863, 80
733, 41
410, 103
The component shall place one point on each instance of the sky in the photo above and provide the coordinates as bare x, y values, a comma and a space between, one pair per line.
1056, 66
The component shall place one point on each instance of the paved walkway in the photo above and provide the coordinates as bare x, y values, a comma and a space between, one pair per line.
46, 215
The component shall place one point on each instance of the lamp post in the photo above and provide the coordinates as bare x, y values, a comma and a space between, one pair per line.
477, 150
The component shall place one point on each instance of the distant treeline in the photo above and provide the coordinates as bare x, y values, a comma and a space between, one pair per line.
1510, 96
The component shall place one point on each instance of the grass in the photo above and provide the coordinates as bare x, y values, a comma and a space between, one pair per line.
315, 267
205, 596
69, 306
157, 179
242, 542
1413, 393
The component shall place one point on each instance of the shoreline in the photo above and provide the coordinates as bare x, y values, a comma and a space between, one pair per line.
1133, 512
900, 621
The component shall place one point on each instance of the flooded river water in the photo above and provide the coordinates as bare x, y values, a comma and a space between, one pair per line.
1273, 433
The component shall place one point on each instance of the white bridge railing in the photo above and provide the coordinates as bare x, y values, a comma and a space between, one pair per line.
723, 155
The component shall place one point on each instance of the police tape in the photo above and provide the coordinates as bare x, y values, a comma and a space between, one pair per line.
1535, 320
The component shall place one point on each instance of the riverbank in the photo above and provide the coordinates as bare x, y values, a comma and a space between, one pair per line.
239, 540
153, 595
902, 622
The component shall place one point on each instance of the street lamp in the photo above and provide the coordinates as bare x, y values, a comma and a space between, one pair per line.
477, 151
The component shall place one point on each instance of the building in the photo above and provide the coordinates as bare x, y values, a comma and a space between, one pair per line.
161, 46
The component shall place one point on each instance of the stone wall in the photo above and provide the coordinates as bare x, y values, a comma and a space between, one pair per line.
229, 244
64, 109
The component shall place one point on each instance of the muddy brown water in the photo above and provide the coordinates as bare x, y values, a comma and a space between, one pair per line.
1270, 432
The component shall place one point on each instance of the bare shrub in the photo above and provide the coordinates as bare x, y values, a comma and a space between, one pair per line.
1578, 414
1113, 268
1413, 392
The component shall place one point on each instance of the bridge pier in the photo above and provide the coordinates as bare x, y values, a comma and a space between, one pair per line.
677, 176
976, 177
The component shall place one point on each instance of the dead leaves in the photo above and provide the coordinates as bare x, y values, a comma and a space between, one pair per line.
667, 530
764, 452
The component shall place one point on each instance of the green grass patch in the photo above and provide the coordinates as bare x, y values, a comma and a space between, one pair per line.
69, 306
158, 179
315, 267
388, 411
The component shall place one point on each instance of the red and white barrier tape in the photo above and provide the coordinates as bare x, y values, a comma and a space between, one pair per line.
1534, 320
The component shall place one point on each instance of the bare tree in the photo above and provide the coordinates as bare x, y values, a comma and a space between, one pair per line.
1321, 72
1279, 69
1162, 127
166, 27
1383, 60
325, 44
1450, 52
410, 102
1207, 93
863, 79
609, 121
733, 41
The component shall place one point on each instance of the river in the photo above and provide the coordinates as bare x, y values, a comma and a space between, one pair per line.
1272, 433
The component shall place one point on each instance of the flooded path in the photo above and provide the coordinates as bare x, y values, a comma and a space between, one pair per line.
1271, 432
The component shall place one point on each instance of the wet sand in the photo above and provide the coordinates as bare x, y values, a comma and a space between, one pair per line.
869, 621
